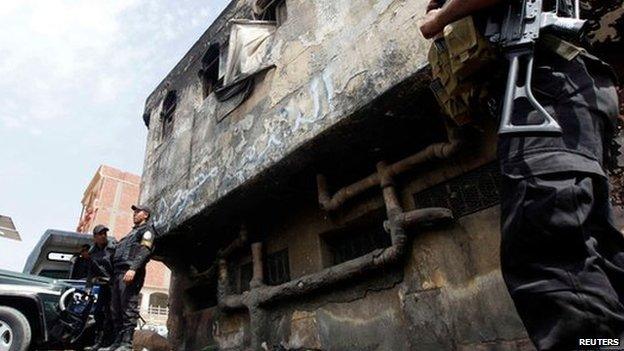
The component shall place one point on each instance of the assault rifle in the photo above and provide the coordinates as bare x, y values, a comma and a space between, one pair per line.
517, 36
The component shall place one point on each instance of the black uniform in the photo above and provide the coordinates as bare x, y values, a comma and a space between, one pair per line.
101, 272
132, 252
562, 258
80, 268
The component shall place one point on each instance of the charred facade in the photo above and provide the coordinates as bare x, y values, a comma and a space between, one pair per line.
309, 194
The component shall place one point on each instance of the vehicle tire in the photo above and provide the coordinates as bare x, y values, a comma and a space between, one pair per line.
15, 332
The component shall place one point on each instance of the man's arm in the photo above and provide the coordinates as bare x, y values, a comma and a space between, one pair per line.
142, 256
435, 20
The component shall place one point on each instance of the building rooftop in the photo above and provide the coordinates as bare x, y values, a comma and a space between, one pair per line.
7, 229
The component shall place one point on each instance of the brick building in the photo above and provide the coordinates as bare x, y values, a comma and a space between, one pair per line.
107, 200
7, 229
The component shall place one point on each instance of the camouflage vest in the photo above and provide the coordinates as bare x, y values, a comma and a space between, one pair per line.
456, 58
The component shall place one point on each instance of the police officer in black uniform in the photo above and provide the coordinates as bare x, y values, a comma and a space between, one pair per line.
81, 263
129, 261
100, 272
562, 258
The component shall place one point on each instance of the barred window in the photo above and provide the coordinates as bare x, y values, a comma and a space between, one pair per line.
276, 271
469, 193
277, 268
245, 273
355, 242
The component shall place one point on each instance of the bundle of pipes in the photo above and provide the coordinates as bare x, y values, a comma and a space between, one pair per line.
260, 295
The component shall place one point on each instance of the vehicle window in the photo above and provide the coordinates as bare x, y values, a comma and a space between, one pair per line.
55, 273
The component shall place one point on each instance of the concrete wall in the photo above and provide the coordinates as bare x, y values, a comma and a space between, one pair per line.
347, 73
331, 57
449, 295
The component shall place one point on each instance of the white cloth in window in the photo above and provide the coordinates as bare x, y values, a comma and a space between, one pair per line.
249, 49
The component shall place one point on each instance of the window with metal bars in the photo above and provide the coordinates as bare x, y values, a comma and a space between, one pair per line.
277, 268
355, 242
245, 273
469, 193
168, 113
276, 271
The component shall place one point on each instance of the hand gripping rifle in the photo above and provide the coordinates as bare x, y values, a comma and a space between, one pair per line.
520, 29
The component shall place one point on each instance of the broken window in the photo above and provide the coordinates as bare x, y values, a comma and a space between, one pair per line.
167, 114
210, 72
271, 10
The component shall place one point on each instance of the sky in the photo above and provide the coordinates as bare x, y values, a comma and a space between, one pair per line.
74, 76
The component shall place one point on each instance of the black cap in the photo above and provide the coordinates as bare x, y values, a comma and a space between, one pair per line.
141, 208
100, 228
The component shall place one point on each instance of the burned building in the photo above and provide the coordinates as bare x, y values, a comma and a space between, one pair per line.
309, 195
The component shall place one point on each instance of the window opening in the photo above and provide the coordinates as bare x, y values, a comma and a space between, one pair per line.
277, 268
211, 70
356, 241
273, 10
245, 274
55, 273
168, 112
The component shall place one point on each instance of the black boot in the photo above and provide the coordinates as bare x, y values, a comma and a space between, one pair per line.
114, 345
96, 346
126, 342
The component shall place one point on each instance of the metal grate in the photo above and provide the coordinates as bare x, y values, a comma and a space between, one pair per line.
466, 194
358, 242
245, 274
277, 268
277, 271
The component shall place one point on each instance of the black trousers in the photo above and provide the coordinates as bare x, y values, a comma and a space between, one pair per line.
103, 317
562, 258
125, 304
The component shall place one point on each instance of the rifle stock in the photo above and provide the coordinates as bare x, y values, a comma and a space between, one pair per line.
518, 35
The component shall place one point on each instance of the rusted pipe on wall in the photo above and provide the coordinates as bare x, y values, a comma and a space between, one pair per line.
394, 227
260, 295
235, 245
223, 280
373, 261
258, 266
432, 152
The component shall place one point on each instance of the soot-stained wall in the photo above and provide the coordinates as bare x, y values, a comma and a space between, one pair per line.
348, 89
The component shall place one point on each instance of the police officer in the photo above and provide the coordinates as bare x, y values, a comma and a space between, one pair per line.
129, 260
100, 272
81, 263
561, 256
